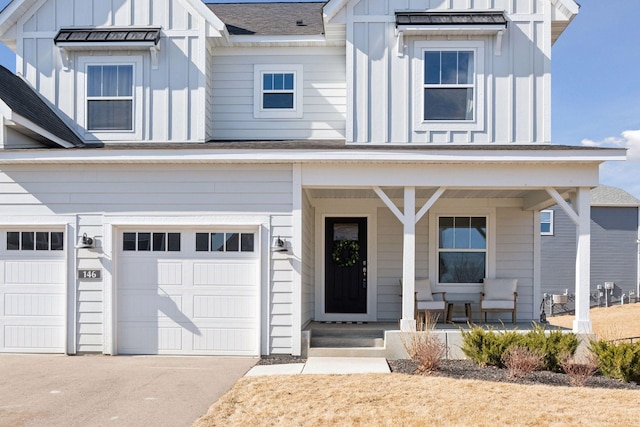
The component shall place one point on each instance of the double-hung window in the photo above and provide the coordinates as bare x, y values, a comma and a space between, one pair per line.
110, 97
277, 91
449, 85
462, 249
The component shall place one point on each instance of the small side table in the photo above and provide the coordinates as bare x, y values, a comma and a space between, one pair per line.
467, 311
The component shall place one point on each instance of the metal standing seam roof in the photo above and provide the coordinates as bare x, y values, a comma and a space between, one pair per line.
108, 35
450, 18
271, 19
24, 101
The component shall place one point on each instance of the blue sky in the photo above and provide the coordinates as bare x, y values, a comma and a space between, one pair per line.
596, 85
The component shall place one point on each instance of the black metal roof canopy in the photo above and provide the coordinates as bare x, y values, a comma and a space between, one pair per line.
108, 35
450, 18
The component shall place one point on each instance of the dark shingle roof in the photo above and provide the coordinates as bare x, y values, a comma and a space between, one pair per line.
450, 18
271, 19
24, 101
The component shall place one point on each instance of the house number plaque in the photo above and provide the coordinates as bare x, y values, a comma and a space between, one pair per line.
89, 274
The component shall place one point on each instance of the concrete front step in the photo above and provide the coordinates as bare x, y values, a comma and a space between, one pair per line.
346, 352
344, 342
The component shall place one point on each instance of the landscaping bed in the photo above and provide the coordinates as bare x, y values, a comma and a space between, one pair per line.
465, 369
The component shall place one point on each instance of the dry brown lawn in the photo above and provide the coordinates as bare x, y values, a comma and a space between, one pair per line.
618, 321
413, 400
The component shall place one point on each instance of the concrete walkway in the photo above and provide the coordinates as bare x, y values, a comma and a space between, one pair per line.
57, 390
327, 366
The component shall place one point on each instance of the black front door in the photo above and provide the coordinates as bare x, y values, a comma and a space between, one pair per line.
346, 265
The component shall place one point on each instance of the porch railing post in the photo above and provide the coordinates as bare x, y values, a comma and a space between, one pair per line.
582, 323
408, 322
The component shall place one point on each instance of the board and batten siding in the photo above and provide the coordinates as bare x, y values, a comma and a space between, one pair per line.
89, 193
614, 250
173, 96
517, 83
324, 94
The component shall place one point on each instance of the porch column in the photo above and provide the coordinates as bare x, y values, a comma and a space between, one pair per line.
582, 323
408, 322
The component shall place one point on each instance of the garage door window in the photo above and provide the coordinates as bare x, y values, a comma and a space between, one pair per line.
225, 242
35, 241
147, 242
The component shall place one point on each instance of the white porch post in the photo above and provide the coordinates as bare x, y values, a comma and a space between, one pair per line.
408, 322
582, 323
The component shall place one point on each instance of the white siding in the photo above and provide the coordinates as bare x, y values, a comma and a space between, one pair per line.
308, 260
173, 100
517, 83
514, 255
324, 96
89, 193
390, 262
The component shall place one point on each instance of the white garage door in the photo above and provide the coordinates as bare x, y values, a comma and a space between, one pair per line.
32, 291
188, 292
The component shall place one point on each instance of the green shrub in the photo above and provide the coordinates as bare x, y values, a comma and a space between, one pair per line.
618, 360
553, 344
486, 347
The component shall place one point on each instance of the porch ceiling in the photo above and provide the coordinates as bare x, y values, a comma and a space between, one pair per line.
423, 193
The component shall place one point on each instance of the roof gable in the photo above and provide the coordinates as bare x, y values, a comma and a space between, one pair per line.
23, 101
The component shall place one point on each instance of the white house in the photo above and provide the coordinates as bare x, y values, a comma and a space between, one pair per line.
154, 152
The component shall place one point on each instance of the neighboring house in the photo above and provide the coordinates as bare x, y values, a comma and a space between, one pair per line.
615, 234
188, 144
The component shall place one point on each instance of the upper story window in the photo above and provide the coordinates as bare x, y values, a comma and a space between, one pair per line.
546, 223
110, 97
449, 85
277, 91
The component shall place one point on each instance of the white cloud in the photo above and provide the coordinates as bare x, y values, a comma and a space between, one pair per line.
625, 175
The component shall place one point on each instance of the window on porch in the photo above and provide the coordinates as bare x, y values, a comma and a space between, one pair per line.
462, 249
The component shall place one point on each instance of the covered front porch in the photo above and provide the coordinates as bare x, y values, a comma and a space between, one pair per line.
402, 217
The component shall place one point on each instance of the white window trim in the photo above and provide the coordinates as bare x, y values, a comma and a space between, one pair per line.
434, 215
297, 111
479, 102
551, 223
116, 135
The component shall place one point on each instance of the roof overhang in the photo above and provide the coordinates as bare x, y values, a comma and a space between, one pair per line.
26, 127
208, 153
563, 12
128, 38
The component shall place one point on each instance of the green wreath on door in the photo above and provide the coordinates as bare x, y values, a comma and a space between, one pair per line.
346, 253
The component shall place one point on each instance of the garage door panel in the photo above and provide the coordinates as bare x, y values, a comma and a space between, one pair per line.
170, 274
34, 272
143, 307
139, 274
232, 340
228, 307
33, 305
146, 337
228, 274
34, 338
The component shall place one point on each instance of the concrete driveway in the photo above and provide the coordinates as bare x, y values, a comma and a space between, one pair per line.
56, 390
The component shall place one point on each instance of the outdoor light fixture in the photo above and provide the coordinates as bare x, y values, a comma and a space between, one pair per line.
86, 242
279, 246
